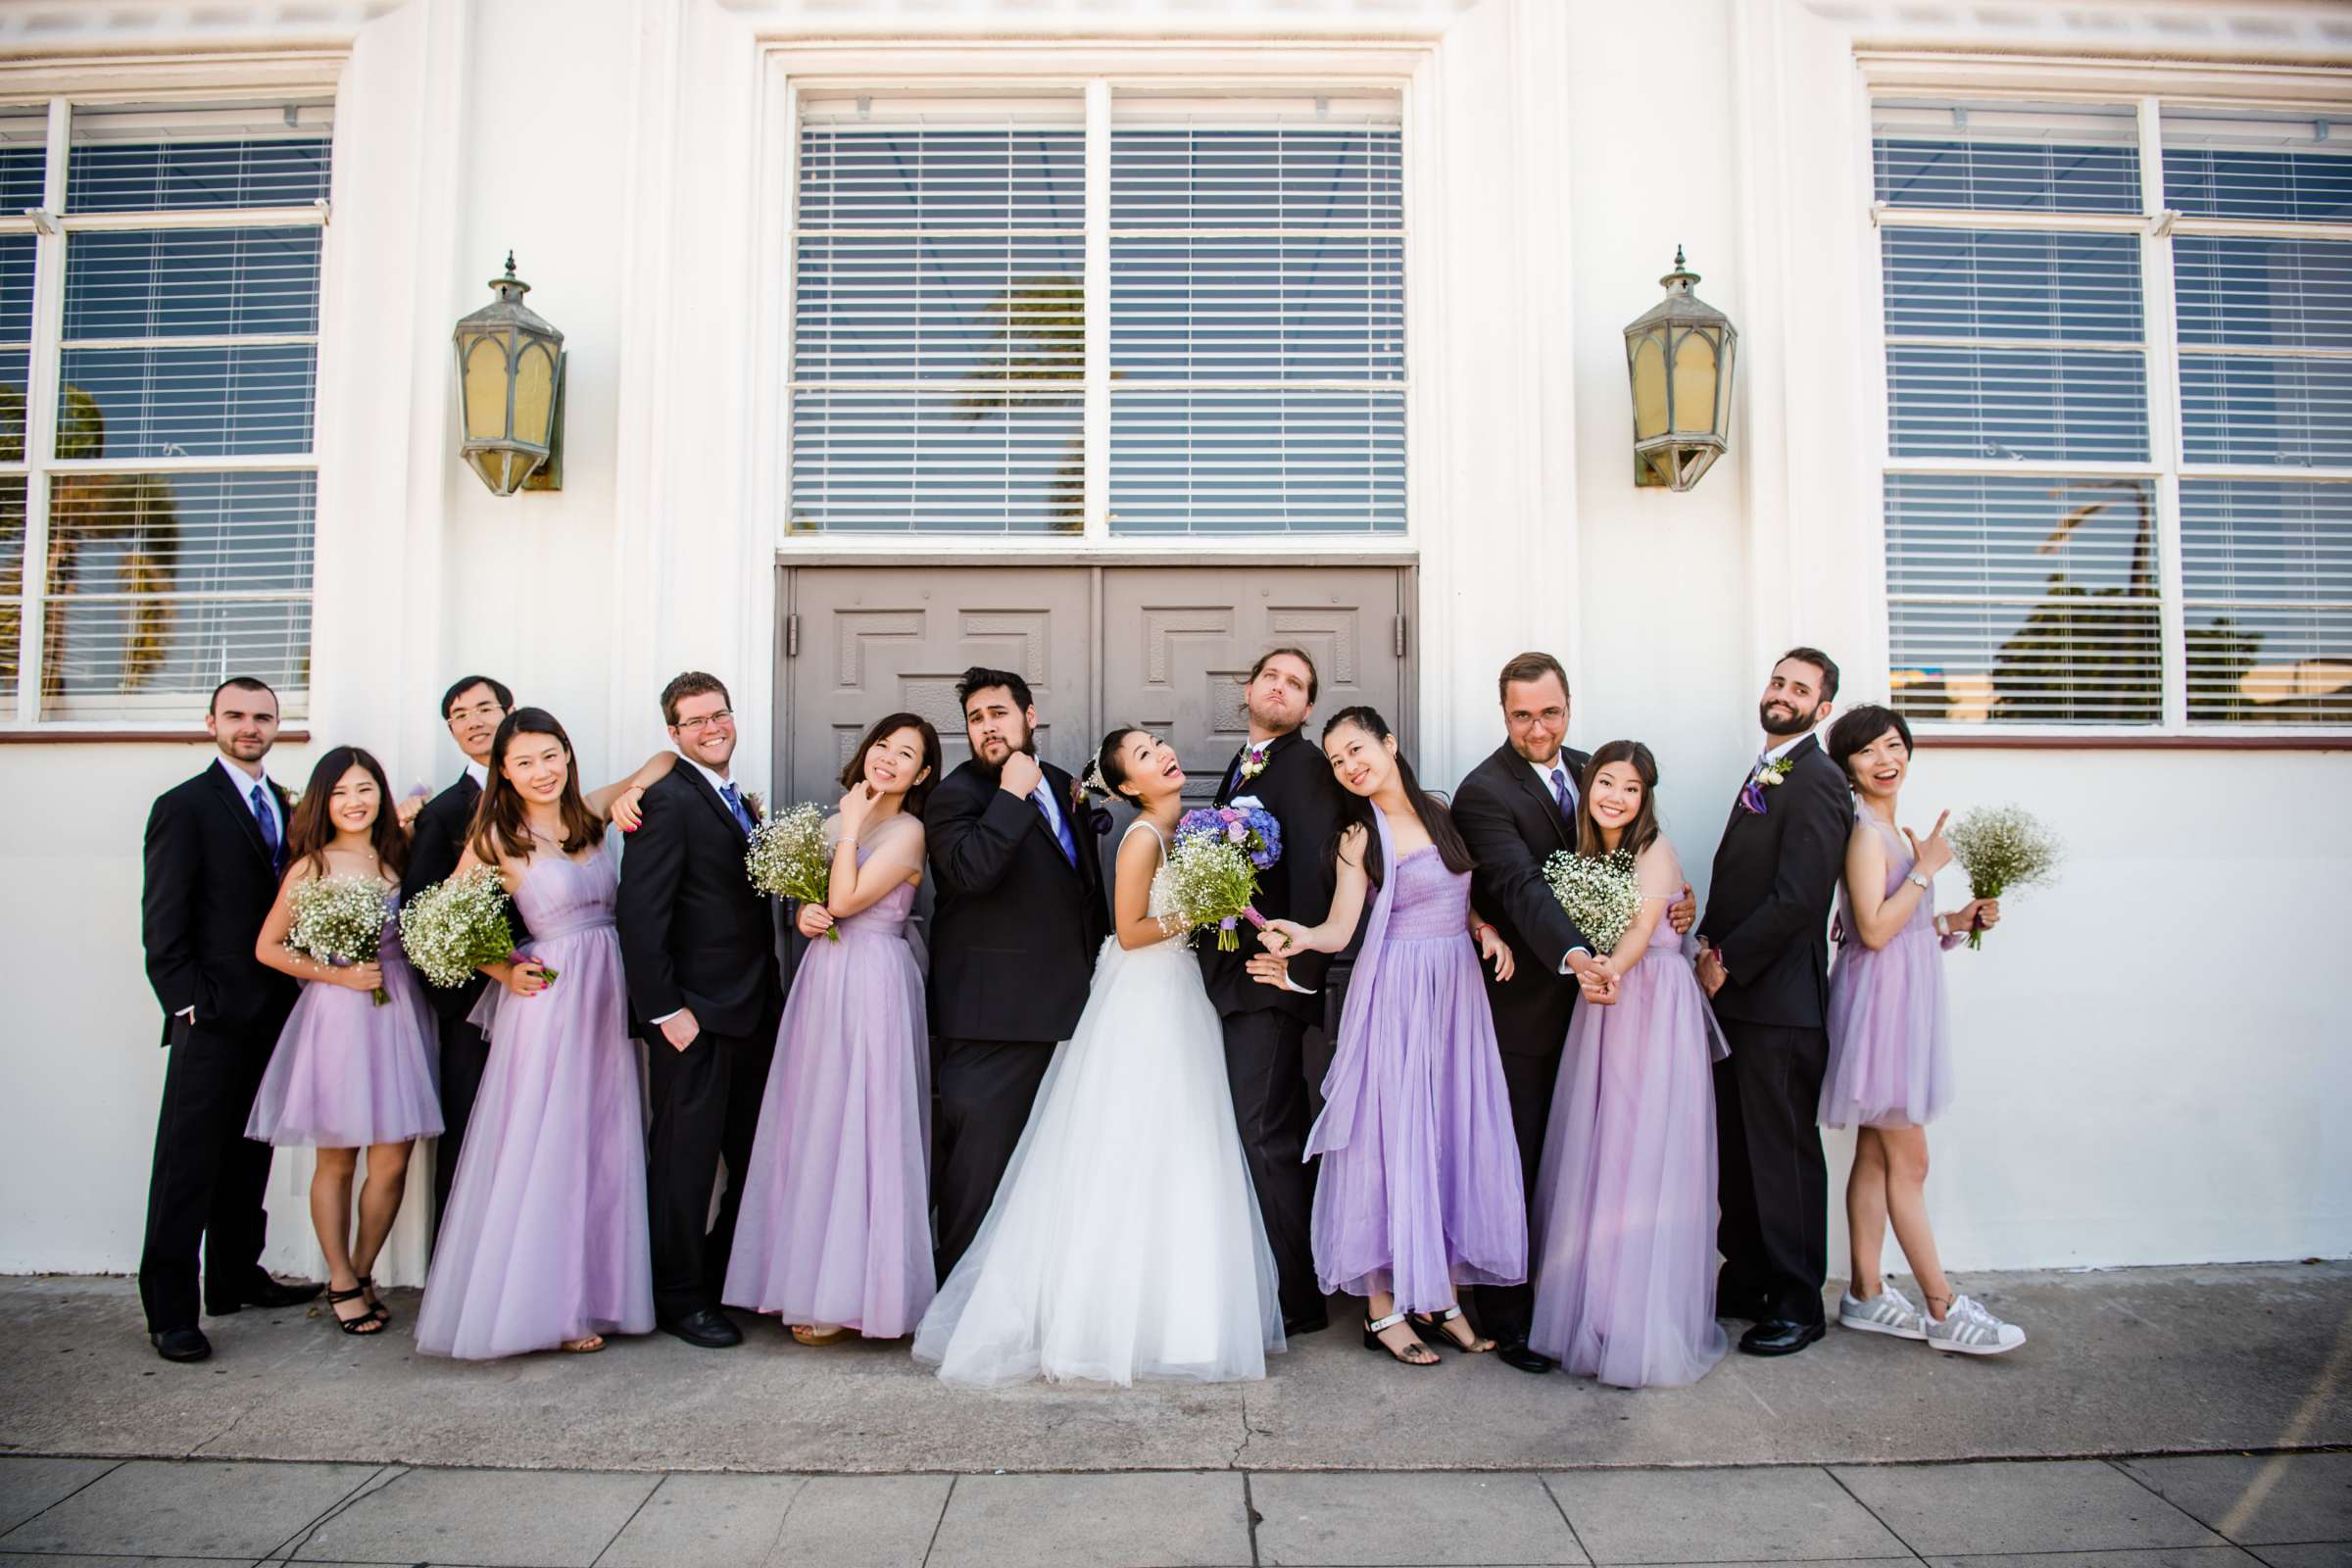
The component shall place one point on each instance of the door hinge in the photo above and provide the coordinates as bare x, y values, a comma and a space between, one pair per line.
1399, 636
792, 636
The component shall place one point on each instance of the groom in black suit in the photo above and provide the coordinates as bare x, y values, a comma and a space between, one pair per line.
1016, 922
1266, 1002
216, 847
1765, 961
699, 944
473, 709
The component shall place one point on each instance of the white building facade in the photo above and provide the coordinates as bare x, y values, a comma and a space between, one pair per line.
1115, 341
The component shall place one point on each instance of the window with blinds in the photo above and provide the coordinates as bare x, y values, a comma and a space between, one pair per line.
2118, 484
156, 462
1248, 365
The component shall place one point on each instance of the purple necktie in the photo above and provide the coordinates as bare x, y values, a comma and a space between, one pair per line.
1559, 791
269, 825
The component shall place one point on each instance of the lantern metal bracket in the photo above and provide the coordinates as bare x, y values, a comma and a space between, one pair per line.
548, 475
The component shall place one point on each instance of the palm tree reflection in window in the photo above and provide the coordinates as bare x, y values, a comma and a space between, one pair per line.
1040, 326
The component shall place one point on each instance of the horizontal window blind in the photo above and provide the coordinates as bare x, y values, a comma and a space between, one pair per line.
1257, 315
2024, 599
939, 342
172, 508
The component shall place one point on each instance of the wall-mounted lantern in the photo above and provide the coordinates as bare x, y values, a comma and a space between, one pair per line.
1680, 357
511, 391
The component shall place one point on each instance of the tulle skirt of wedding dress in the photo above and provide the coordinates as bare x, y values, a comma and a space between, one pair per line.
1125, 1240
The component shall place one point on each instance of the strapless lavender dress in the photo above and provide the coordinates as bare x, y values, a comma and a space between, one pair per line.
1889, 1027
545, 1237
347, 1072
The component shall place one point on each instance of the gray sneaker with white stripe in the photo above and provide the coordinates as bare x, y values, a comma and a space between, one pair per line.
1968, 1330
1888, 1312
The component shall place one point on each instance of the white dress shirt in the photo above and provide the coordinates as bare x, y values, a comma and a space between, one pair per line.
479, 772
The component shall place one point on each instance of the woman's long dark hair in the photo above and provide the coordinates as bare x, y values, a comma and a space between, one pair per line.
309, 829
1428, 808
1643, 831
853, 775
501, 828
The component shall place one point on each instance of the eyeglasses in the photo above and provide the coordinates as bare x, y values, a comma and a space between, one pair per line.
1519, 717
695, 727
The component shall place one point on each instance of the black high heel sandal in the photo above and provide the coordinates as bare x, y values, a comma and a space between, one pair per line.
365, 1323
1431, 1326
382, 1312
1373, 1341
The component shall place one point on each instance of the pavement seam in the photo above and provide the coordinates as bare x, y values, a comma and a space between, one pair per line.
2140, 1481
75, 1492
664, 1480
285, 1550
1839, 1480
940, 1523
1250, 1516
1561, 1508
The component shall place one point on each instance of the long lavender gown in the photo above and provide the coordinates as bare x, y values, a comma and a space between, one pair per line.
1891, 1046
1625, 1196
346, 1072
1420, 1189
835, 1227
545, 1237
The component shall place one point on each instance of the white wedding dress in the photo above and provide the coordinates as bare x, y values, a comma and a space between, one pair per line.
1124, 1241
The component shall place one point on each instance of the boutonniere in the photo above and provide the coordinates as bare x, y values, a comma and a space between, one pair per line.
752, 803
1254, 761
1766, 775
292, 798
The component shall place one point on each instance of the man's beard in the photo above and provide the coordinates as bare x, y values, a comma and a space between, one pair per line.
1027, 743
1797, 723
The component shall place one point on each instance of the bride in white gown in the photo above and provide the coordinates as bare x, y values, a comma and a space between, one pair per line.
1124, 1241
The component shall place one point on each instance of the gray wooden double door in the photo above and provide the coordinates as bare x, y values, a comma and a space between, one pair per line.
1162, 647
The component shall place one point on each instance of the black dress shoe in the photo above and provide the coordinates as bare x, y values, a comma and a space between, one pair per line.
1292, 1327
1518, 1353
706, 1326
182, 1345
1779, 1337
264, 1291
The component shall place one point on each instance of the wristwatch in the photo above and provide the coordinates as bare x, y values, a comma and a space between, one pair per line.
1919, 881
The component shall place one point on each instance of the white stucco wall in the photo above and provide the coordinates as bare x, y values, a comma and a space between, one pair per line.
2152, 1062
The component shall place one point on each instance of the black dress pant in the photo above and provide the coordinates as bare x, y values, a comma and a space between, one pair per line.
1506, 1312
209, 1179
1771, 1182
1265, 1071
986, 1090
706, 1109
465, 1055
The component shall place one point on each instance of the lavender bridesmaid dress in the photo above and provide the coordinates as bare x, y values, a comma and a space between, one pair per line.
1625, 1196
545, 1237
348, 1073
1890, 1047
835, 1227
1420, 1189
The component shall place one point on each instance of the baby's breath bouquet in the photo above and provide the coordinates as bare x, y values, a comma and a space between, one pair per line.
1599, 893
2002, 848
339, 920
453, 928
787, 857
1209, 881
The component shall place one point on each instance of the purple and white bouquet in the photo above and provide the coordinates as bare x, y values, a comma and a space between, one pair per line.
1243, 834
339, 921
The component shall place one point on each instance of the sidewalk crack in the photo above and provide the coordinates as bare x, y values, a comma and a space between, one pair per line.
1839, 1480
1561, 1508
285, 1550
938, 1524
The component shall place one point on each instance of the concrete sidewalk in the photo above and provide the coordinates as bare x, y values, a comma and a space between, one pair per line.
2221, 1511
2137, 1361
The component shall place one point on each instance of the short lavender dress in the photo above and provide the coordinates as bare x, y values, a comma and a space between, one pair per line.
348, 1073
1891, 1031
1420, 1189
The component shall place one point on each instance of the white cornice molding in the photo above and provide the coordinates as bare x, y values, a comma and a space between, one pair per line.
1071, 18
111, 26
2305, 32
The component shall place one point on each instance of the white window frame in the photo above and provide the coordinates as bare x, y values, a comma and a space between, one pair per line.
2149, 87
1096, 72
62, 87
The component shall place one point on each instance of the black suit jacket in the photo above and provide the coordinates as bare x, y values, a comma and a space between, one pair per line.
1297, 788
1014, 927
436, 844
693, 932
1513, 826
209, 887
1776, 876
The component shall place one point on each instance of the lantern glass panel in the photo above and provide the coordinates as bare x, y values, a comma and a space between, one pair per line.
1695, 382
486, 389
534, 393
1650, 388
